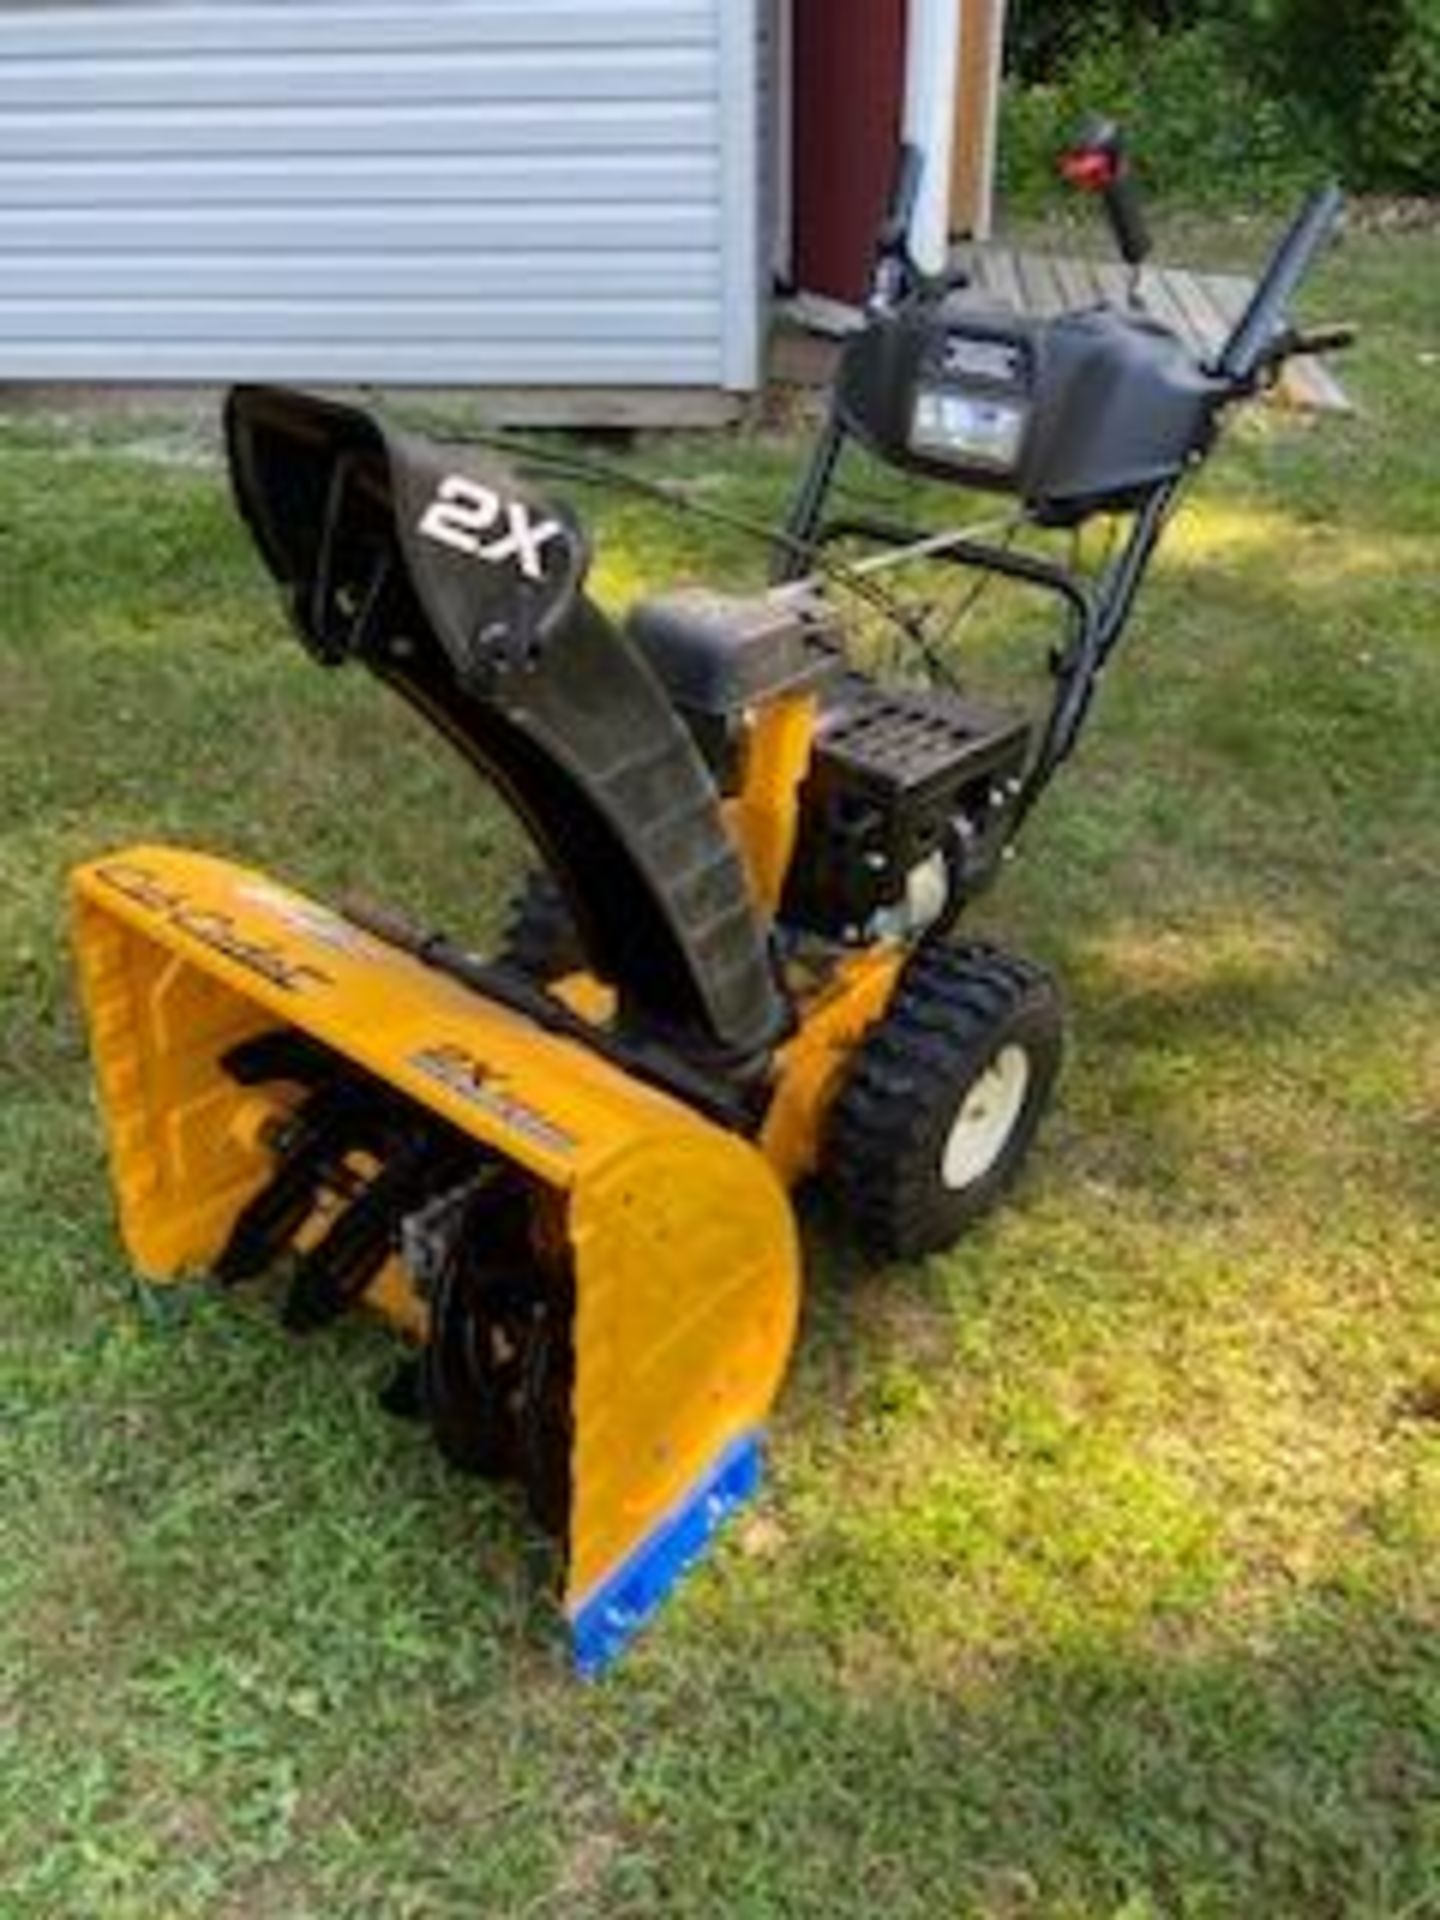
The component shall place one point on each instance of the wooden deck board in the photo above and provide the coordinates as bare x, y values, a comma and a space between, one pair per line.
1201, 307
995, 271
1158, 295
1207, 324
1078, 283
1114, 283
1231, 292
1042, 289
1309, 383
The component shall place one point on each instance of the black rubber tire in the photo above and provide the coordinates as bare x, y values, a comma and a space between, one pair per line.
540, 935
957, 1008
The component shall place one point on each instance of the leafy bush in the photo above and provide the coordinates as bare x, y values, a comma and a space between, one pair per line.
1331, 52
1372, 67
1204, 130
1045, 35
1400, 126
1230, 99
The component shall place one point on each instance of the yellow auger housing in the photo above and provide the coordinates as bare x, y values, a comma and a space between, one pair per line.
665, 1243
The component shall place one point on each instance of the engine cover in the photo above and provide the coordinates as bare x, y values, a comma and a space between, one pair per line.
900, 782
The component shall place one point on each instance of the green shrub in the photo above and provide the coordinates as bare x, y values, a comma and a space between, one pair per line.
1331, 52
1204, 130
1399, 140
1045, 35
1372, 67
1243, 100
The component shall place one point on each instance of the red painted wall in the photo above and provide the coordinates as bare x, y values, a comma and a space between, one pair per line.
849, 107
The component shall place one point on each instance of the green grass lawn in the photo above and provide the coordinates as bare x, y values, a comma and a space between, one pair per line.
1099, 1570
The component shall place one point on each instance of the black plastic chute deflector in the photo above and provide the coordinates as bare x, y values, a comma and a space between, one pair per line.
536, 688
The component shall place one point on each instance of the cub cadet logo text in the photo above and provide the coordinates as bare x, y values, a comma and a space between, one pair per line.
463, 512
212, 929
983, 359
462, 1073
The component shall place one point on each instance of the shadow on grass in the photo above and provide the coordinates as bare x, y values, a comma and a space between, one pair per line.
265, 1568
248, 1570
1296, 1773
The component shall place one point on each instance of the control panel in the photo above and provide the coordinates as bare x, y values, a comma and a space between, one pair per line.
972, 401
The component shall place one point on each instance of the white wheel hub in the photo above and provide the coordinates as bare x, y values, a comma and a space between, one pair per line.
987, 1118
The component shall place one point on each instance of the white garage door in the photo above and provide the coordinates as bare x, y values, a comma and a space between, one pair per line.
538, 192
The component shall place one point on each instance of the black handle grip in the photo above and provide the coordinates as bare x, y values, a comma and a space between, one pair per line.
1245, 353
1318, 340
1098, 161
1126, 213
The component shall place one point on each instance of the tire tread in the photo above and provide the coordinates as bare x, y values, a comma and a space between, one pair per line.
955, 1007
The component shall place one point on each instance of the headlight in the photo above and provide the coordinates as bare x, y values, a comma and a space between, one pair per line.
967, 428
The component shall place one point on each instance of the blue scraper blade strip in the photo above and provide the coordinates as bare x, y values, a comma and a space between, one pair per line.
613, 1613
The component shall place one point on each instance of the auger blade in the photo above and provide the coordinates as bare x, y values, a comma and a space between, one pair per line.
317, 1140
333, 1274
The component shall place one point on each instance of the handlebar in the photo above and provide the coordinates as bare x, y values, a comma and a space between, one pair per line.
1251, 347
1099, 162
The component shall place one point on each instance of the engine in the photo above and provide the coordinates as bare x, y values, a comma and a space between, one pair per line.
905, 810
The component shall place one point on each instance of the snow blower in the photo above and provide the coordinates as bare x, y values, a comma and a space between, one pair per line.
563, 1174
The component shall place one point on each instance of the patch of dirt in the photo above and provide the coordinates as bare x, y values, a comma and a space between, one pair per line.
1404, 213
